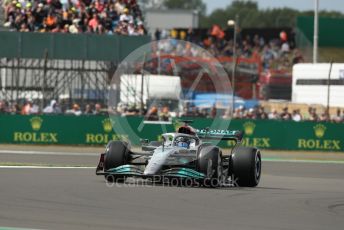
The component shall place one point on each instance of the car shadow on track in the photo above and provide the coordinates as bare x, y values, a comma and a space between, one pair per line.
132, 183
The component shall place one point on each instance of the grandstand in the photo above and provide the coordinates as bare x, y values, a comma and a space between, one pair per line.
110, 17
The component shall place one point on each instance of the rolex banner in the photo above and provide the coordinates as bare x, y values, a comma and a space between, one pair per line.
97, 130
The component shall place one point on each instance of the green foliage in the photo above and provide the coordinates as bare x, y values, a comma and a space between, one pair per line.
251, 17
186, 5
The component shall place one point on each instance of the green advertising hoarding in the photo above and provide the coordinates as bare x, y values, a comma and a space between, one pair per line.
97, 130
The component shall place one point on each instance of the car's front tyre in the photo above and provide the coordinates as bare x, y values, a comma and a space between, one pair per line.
209, 162
117, 153
246, 166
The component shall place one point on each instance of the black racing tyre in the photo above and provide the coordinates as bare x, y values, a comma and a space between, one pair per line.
117, 153
209, 162
246, 165
155, 143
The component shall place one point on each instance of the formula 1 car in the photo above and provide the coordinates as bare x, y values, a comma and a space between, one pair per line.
184, 156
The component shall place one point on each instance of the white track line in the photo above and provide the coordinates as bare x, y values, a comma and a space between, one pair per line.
46, 153
43, 167
303, 161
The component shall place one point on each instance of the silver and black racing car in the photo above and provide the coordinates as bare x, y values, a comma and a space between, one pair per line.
184, 156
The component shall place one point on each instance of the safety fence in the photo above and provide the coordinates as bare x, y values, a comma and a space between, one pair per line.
97, 130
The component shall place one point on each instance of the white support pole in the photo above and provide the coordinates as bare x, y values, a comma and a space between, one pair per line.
234, 63
316, 32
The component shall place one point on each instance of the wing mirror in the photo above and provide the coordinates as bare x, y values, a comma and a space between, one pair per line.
144, 141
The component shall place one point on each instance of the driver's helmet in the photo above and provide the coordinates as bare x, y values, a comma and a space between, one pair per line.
183, 142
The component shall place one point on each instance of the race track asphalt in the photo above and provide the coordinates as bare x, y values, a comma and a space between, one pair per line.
290, 196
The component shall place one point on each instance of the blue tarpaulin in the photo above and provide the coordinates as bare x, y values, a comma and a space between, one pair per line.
207, 100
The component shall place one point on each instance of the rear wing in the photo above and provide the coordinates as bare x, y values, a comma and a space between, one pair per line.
218, 134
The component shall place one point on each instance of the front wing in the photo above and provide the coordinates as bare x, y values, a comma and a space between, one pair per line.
135, 171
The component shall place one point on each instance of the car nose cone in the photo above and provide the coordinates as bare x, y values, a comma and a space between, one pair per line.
151, 169
157, 161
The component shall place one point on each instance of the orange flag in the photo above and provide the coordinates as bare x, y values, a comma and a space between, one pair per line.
217, 32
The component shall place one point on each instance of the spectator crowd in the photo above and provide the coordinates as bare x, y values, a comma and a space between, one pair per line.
295, 115
122, 17
276, 53
260, 113
163, 113
29, 107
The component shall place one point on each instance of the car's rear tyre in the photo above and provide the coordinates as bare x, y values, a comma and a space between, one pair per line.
117, 153
246, 165
209, 163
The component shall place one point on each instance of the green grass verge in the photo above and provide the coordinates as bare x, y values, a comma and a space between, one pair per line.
331, 53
